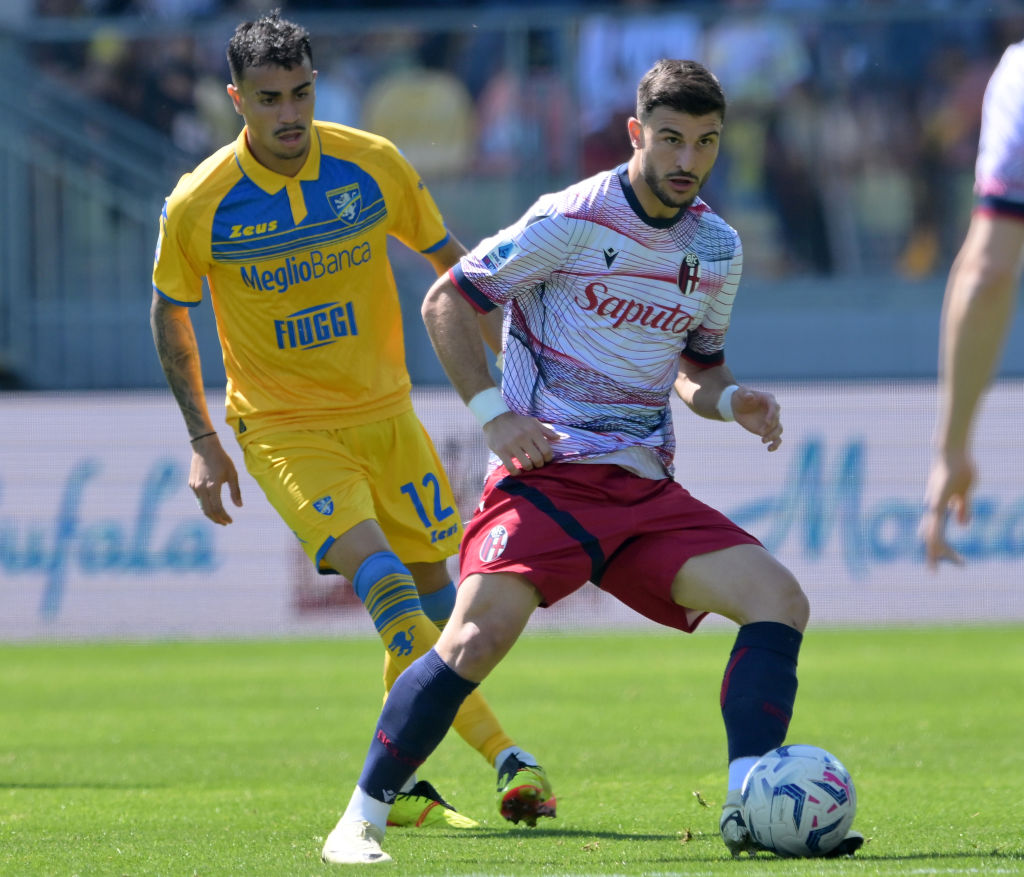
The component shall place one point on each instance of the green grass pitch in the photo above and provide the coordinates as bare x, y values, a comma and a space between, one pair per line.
236, 758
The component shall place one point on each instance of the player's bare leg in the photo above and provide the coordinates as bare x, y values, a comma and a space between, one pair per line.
490, 613
392, 597
491, 616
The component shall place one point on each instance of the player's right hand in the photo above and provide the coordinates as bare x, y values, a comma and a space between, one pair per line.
949, 485
520, 441
211, 468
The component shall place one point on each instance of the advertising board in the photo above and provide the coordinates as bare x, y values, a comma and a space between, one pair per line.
100, 536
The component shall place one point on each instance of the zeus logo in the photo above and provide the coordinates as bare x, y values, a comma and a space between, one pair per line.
316, 327
247, 231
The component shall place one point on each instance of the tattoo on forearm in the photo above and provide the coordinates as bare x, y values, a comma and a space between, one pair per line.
179, 356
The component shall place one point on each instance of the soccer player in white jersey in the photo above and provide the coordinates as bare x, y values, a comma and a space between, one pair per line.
615, 291
981, 296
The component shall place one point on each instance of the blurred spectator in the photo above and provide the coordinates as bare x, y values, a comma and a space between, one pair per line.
523, 120
338, 92
614, 53
848, 136
214, 113
426, 111
169, 102
792, 180
110, 73
758, 55
949, 107
881, 192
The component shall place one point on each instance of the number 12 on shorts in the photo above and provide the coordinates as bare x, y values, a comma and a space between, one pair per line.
432, 488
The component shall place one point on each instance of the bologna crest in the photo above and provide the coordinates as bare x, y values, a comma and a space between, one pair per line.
493, 544
689, 274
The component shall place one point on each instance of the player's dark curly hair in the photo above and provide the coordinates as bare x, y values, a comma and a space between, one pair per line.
270, 40
685, 86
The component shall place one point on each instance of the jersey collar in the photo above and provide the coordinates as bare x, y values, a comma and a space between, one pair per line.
268, 180
622, 172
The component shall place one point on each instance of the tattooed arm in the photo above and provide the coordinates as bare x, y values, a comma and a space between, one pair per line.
211, 467
176, 346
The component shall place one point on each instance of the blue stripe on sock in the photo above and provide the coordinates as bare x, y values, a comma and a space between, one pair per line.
387, 590
373, 569
438, 606
392, 599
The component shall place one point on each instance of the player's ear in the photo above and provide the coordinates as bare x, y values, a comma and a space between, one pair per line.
236, 97
636, 133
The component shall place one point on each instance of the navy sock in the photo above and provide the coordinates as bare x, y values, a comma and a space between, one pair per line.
759, 687
417, 714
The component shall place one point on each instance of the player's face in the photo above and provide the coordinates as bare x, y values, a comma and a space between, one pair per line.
674, 154
277, 105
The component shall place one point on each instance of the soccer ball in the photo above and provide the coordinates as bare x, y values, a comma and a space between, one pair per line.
798, 800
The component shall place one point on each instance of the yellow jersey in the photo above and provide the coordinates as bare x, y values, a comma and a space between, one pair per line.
306, 304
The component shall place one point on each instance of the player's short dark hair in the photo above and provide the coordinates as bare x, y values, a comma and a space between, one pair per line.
270, 40
685, 86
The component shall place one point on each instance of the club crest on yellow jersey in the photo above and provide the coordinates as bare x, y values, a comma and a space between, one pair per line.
324, 505
346, 202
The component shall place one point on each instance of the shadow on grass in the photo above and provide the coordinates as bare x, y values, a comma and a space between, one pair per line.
82, 784
696, 846
1008, 855
545, 833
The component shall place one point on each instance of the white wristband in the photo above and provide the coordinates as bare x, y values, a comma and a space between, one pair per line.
725, 403
488, 404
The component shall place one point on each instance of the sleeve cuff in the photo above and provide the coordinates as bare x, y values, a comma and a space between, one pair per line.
469, 290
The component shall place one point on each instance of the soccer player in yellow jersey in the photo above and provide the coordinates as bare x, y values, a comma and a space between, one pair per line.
289, 225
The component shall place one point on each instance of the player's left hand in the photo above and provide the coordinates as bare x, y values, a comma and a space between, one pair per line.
759, 412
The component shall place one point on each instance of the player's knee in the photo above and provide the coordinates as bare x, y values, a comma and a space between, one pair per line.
490, 613
798, 606
784, 600
773, 594
472, 650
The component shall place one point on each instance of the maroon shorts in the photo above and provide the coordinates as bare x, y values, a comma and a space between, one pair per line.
569, 523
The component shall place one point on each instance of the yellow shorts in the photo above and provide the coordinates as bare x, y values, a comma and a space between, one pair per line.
324, 482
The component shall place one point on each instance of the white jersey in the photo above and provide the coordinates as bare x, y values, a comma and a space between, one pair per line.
999, 173
601, 300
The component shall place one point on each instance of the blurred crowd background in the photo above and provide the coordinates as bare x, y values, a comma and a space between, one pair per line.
847, 161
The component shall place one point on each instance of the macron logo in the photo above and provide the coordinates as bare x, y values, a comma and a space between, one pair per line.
609, 256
